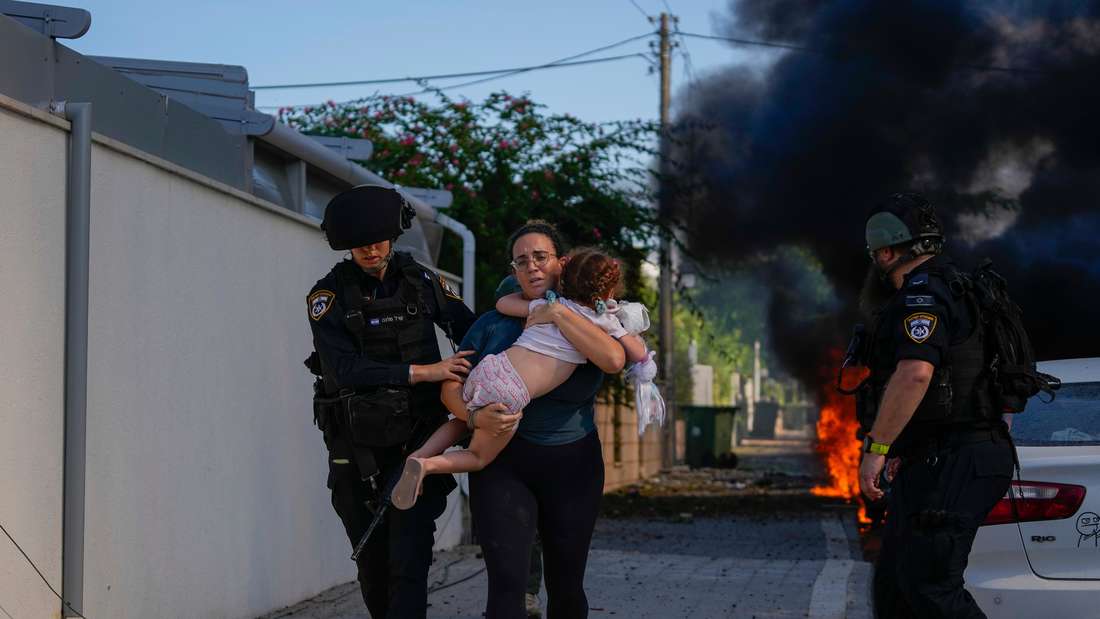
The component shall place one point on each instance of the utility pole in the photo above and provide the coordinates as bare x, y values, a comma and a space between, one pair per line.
665, 340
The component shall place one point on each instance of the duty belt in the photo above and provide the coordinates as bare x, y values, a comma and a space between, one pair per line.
928, 445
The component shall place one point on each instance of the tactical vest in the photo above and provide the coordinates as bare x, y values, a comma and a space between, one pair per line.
959, 391
395, 329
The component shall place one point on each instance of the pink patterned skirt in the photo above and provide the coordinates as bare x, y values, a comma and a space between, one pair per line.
495, 380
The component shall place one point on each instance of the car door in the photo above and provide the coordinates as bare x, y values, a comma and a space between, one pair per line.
1056, 499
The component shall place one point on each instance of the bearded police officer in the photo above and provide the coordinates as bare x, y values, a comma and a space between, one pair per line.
373, 319
950, 456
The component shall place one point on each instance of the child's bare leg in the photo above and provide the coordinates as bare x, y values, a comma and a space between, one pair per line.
483, 449
412, 475
446, 435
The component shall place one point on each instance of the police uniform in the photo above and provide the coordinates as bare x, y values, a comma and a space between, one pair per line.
366, 333
957, 457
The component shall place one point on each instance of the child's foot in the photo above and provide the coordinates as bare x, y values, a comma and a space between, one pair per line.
408, 487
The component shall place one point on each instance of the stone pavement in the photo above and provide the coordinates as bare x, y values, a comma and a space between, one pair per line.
793, 558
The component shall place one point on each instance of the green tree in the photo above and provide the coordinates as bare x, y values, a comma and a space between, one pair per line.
507, 160
728, 310
723, 314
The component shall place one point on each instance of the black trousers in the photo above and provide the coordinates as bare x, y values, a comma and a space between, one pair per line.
393, 568
554, 489
937, 501
534, 577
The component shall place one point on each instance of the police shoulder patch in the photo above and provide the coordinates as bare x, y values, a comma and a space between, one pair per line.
319, 303
447, 289
919, 326
919, 300
920, 279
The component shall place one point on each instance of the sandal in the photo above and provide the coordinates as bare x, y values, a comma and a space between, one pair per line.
408, 487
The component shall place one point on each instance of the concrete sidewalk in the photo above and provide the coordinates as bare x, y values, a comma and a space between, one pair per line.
704, 543
804, 566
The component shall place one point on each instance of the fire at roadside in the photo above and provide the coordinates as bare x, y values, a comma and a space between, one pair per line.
770, 478
837, 443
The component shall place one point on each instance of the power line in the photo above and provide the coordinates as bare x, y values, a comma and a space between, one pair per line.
457, 582
20, 548
554, 65
560, 62
549, 66
431, 89
640, 9
536, 68
689, 69
747, 41
424, 78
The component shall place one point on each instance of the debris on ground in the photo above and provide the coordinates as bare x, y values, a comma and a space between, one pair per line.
773, 478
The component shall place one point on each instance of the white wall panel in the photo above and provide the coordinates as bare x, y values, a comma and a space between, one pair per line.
206, 494
32, 331
205, 475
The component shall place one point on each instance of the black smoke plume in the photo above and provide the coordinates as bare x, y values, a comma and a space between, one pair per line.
990, 108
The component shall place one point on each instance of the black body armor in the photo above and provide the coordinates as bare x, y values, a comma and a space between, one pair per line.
398, 329
959, 393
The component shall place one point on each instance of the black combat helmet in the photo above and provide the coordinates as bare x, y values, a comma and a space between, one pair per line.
365, 215
905, 218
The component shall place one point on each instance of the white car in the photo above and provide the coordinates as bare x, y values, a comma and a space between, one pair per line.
1047, 563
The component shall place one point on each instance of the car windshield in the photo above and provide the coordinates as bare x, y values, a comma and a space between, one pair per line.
1073, 418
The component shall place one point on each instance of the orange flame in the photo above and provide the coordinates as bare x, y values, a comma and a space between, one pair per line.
836, 438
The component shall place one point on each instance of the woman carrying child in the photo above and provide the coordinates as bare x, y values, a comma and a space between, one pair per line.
540, 360
548, 475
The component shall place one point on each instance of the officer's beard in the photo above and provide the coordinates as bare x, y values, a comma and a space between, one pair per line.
877, 290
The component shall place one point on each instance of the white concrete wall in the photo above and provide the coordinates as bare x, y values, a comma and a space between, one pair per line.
206, 488
32, 321
206, 493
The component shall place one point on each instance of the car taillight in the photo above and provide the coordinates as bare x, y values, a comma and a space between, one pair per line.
1036, 500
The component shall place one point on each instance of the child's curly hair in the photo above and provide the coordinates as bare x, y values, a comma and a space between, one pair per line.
588, 275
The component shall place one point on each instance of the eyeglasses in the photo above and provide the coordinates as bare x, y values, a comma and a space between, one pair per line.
539, 258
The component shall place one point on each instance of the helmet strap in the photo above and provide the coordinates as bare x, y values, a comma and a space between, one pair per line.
382, 265
886, 275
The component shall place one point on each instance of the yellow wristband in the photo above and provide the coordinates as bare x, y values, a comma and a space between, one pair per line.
871, 447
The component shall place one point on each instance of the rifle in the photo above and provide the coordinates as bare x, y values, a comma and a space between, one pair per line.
378, 515
384, 503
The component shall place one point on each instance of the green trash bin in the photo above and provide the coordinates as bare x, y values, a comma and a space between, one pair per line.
708, 433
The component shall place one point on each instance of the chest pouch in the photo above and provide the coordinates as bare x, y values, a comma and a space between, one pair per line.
381, 418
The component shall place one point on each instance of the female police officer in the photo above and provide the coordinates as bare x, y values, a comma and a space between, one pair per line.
373, 319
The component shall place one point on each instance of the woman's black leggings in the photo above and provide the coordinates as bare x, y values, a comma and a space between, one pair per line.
556, 488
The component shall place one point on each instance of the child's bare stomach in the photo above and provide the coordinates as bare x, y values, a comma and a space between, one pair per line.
541, 373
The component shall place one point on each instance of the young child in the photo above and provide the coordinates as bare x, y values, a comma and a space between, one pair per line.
539, 361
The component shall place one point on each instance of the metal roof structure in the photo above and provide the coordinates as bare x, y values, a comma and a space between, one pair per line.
218, 91
199, 116
59, 22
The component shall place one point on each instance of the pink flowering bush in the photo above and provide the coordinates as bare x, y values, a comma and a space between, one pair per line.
506, 160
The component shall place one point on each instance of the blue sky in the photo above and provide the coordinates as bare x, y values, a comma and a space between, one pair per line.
292, 42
